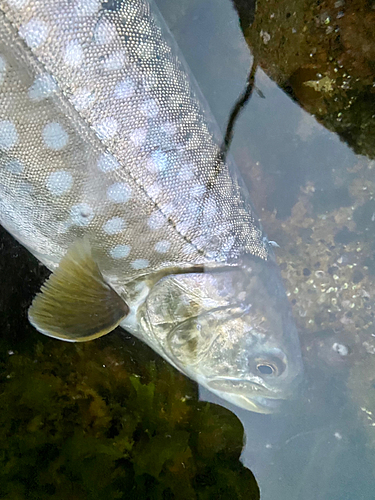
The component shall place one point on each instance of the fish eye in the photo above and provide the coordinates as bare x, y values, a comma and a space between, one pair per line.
272, 366
266, 369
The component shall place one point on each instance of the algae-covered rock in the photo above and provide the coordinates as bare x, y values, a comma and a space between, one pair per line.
325, 258
322, 54
104, 419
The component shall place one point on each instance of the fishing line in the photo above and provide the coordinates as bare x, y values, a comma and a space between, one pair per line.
236, 110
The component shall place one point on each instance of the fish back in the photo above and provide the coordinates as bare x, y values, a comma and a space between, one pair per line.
103, 134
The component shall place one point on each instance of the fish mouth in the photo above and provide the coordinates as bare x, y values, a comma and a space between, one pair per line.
246, 394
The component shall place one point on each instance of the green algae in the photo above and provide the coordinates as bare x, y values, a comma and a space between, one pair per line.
103, 419
77, 423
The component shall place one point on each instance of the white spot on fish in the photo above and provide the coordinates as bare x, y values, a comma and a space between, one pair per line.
120, 251
107, 128
198, 191
200, 241
184, 226
340, 349
114, 225
87, 7
162, 246
138, 136
114, 61
18, 4
104, 32
141, 287
43, 86
140, 263
209, 209
119, 192
187, 172
149, 108
194, 209
81, 214
157, 162
124, 89
59, 182
226, 247
150, 165
107, 163
54, 136
83, 99
3, 68
161, 160
63, 226
156, 220
73, 54
34, 33
271, 243
14, 167
8, 134
154, 190
169, 208
169, 128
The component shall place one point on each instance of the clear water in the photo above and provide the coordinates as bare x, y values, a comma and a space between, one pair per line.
314, 197
312, 192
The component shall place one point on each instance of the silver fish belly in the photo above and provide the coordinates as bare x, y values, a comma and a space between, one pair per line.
110, 175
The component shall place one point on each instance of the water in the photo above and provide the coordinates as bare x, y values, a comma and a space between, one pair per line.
314, 197
313, 194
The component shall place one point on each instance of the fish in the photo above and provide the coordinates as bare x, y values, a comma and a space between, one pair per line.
111, 176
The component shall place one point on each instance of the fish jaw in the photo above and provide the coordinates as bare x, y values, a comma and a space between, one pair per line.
243, 395
229, 329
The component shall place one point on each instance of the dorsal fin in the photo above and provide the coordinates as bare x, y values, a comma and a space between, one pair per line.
75, 303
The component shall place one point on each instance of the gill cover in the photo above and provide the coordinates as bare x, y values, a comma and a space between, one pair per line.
174, 310
229, 329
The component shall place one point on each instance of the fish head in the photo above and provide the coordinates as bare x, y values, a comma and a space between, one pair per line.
231, 330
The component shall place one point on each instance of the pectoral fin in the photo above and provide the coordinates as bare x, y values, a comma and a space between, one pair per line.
75, 303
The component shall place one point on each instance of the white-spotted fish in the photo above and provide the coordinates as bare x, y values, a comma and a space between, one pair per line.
110, 174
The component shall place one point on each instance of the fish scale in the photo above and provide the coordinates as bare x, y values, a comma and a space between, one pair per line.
111, 175
106, 102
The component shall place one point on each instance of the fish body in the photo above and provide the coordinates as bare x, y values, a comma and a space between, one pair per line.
110, 174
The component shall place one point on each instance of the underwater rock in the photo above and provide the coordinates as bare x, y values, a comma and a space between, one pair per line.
321, 54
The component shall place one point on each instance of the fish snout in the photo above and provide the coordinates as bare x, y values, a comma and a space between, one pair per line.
271, 379
246, 394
